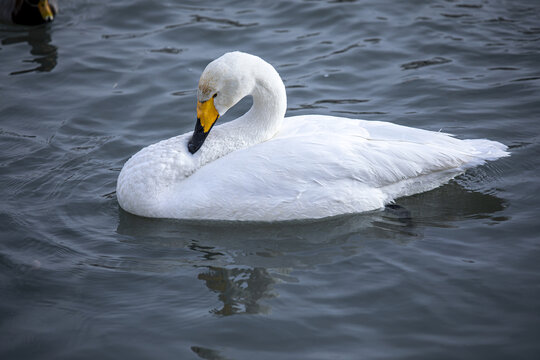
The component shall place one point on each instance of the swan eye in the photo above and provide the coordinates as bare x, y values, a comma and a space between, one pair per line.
214, 95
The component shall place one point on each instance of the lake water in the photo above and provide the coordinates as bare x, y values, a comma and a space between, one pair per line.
450, 274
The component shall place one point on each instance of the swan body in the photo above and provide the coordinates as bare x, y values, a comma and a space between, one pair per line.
265, 167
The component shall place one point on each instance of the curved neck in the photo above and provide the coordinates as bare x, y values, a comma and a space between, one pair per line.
265, 117
259, 124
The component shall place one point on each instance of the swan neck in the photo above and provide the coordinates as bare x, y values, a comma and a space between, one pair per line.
269, 105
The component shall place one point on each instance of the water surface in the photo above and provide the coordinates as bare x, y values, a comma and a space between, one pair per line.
452, 273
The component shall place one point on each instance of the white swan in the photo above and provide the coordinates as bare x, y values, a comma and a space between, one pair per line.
264, 167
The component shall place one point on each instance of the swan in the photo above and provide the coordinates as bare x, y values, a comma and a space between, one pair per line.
264, 166
28, 12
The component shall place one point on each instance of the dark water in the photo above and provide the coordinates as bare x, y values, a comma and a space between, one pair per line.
451, 274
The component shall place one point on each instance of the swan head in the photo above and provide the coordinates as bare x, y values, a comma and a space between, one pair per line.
223, 83
34, 12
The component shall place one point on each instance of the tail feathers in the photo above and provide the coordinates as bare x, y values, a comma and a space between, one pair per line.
488, 149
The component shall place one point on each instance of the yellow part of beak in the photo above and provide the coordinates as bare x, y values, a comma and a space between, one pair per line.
207, 114
45, 10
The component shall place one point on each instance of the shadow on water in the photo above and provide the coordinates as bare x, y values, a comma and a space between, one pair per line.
39, 38
241, 262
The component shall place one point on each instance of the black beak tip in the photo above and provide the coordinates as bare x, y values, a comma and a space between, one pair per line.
198, 138
192, 147
196, 142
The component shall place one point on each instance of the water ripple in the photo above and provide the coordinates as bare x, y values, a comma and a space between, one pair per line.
200, 18
421, 63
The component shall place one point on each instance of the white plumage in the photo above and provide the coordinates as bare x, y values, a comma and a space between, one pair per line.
264, 167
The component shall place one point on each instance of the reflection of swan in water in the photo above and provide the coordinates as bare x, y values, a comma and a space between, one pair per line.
240, 289
241, 262
270, 245
39, 39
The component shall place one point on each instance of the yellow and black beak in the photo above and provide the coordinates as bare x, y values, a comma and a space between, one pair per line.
45, 10
206, 118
